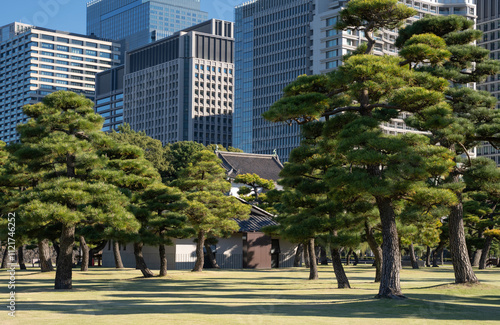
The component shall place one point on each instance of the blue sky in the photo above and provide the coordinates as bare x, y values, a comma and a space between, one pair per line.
69, 15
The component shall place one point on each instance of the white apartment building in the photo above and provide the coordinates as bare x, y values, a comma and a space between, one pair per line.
35, 62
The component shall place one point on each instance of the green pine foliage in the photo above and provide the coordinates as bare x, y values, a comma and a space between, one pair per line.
210, 212
473, 120
154, 152
255, 182
356, 99
63, 144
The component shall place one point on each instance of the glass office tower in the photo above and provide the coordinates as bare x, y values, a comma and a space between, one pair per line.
489, 22
278, 40
139, 22
273, 41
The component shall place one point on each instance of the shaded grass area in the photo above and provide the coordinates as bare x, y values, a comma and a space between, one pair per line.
284, 296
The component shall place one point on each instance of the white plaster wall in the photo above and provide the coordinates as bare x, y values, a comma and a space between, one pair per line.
287, 254
151, 257
229, 253
185, 254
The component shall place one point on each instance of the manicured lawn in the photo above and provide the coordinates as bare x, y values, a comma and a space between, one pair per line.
108, 296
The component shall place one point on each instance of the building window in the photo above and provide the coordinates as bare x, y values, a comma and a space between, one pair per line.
332, 54
62, 48
331, 43
331, 21
332, 64
331, 32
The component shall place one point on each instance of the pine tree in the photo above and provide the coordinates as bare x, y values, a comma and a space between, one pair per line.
210, 211
154, 152
255, 182
60, 141
180, 154
481, 200
166, 218
369, 91
133, 174
474, 118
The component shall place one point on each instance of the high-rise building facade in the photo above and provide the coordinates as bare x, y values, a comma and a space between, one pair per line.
273, 48
109, 97
489, 23
276, 41
36, 61
181, 87
139, 22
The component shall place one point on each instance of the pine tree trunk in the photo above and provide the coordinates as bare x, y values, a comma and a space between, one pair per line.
323, 258
413, 258
348, 257
485, 252
200, 257
57, 249
356, 259
4, 258
211, 256
116, 253
139, 260
163, 260
428, 257
436, 252
44, 256
376, 250
85, 254
297, 261
96, 250
65, 258
458, 247
477, 257
390, 286
313, 266
20, 257
338, 269
306, 256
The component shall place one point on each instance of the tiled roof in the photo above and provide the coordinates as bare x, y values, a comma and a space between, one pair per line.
237, 163
258, 219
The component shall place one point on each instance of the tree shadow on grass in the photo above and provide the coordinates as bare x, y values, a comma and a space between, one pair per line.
421, 306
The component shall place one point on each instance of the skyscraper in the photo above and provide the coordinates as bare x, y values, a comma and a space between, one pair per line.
279, 40
140, 22
489, 22
180, 88
273, 48
36, 61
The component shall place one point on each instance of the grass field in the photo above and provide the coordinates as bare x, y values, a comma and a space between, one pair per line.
284, 296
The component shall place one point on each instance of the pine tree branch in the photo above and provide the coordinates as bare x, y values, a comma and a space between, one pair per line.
466, 152
342, 109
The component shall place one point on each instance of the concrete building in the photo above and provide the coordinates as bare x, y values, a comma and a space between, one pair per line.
181, 87
35, 62
489, 22
276, 41
109, 97
139, 22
